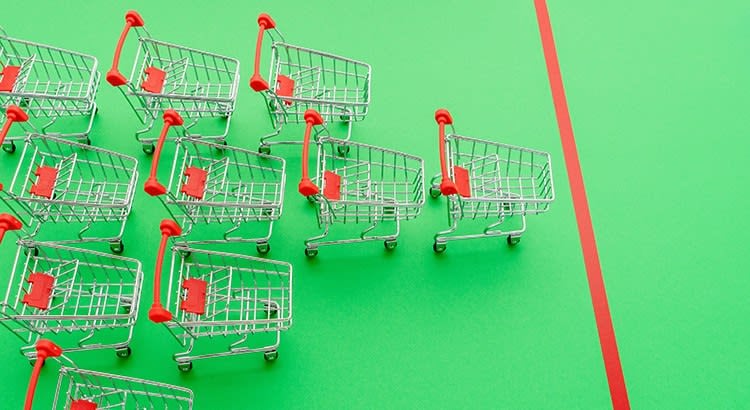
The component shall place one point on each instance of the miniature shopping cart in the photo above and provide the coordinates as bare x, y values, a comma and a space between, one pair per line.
84, 300
244, 301
49, 84
79, 389
337, 87
372, 186
198, 84
67, 183
220, 186
489, 180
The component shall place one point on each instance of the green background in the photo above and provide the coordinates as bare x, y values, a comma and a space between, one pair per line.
658, 102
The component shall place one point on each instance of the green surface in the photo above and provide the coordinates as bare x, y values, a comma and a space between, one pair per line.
657, 99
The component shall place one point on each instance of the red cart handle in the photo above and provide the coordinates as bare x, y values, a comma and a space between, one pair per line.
152, 185
447, 187
114, 77
44, 349
306, 186
8, 223
12, 114
157, 313
257, 82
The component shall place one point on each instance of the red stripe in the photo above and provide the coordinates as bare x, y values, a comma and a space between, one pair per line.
617, 390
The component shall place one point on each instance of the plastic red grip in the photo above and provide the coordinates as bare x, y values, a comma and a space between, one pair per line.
306, 186
157, 313
44, 349
152, 185
114, 77
443, 117
257, 82
12, 114
8, 223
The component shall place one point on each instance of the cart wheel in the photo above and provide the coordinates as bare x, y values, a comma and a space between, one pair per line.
148, 149
271, 309
267, 211
435, 192
262, 247
117, 247
87, 141
221, 145
390, 244
34, 251
513, 240
311, 252
343, 150
346, 118
10, 147
185, 367
123, 352
439, 247
271, 356
185, 254
264, 149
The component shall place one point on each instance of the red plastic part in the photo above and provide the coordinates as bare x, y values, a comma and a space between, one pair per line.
257, 82
332, 189
45, 183
41, 290
12, 114
447, 187
195, 296
114, 77
285, 88
82, 404
8, 223
195, 185
152, 185
154, 81
306, 187
157, 313
44, 349
463, 186
9, 73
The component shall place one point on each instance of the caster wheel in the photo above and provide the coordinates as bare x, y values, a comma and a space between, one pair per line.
343, 150
390, 244
123, 352
513, 240
220, 145
345, 118
31, 251
267, 211
185, 367
271, 356
148, 149
87, 141
434, 192
117, 247
264, 149
439, 247
271, 310
185, 254
10, 148
262, 247
311, 252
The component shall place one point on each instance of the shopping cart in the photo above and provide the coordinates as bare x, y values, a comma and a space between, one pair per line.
302, 78
371, 186
84, 300
220, 186
48, 83
65, 182
198, 84
79, 389
215, 295
489, 180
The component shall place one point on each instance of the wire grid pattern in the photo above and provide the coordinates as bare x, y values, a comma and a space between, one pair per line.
197, 84
92, 184
245, 295
377, 184
504, 179
110, 391
52, 82
241, 185
92, 291
337, 87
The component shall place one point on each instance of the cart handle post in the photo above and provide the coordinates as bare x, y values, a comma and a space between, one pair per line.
257, 82
157, 313
12, 114
443, 117
8, 222
306, 186
44, 349
152, 186
114, 76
